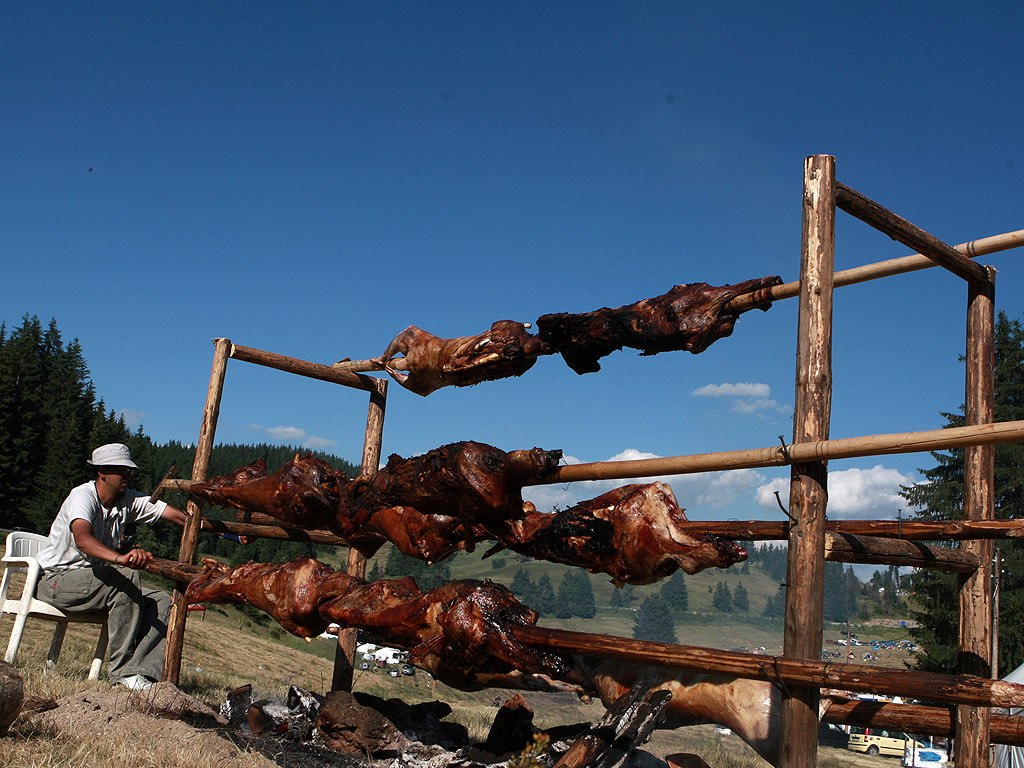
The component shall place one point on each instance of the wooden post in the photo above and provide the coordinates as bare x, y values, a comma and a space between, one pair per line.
808, 494
344, 656
190, 537
972, 738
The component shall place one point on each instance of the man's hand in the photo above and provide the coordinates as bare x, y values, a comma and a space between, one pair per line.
135, 558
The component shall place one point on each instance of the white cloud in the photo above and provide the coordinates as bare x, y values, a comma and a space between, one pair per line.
723, 488
132, 418
709, 489
748, 398
733, 390
297, 435
862, 493
318, 443
293, 434
852, 493
254, 427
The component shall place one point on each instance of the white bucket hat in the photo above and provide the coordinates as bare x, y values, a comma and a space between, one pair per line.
112, 455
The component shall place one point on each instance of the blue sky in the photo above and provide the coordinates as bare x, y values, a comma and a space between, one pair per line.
312, 178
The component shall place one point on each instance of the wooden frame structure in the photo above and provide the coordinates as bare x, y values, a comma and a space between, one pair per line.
812, 539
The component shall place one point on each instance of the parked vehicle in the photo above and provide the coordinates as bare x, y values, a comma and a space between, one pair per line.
875, 741
408, 670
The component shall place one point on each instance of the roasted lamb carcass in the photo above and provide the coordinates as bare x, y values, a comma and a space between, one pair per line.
505, 350
630, 533
689, 317
469, 481
461, 632
288, 592
305, 492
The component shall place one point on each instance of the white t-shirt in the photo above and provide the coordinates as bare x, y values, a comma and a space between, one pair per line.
60, 553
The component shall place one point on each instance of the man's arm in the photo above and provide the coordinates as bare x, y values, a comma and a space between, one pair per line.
93, 547
174, 515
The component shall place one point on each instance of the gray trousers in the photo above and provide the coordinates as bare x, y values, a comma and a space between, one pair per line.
136, 615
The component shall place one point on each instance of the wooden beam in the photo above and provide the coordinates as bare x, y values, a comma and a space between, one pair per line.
846, 548
930, 686
781, 455
915, 718
975, 650
908, 530
302, 367
193, 511
182, 573
901, 230
277, 531
773, 456
808, 486
888, 268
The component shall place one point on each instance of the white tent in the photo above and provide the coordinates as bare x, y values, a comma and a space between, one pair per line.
1008, 756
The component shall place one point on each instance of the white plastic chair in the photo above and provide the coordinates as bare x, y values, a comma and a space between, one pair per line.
20, 557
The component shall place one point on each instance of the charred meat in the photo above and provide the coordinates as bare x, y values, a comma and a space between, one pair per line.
506, 350
689, 317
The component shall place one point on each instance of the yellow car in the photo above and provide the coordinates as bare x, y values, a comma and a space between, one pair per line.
875, 741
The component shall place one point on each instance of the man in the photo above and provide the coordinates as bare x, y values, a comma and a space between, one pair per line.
85, 572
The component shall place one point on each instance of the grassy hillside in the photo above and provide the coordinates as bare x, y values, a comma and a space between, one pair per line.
702, 625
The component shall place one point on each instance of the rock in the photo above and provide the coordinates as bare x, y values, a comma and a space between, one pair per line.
512, 729
235, 708
685, 760
12, 695
351, 728
420, 722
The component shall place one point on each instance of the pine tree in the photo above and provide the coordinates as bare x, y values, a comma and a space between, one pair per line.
673, 592
586, 607
565, 597
653, 621
775, 607
545, 600
722, 599
740, 600
521, 584
940, 496
22, 420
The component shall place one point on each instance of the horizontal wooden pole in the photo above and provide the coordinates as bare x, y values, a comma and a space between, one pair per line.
901, 230
255, 518
274, 532
302, 368
916, 718
173, 570
910, 530
847, 548
955, 689
888, 268
778, 456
